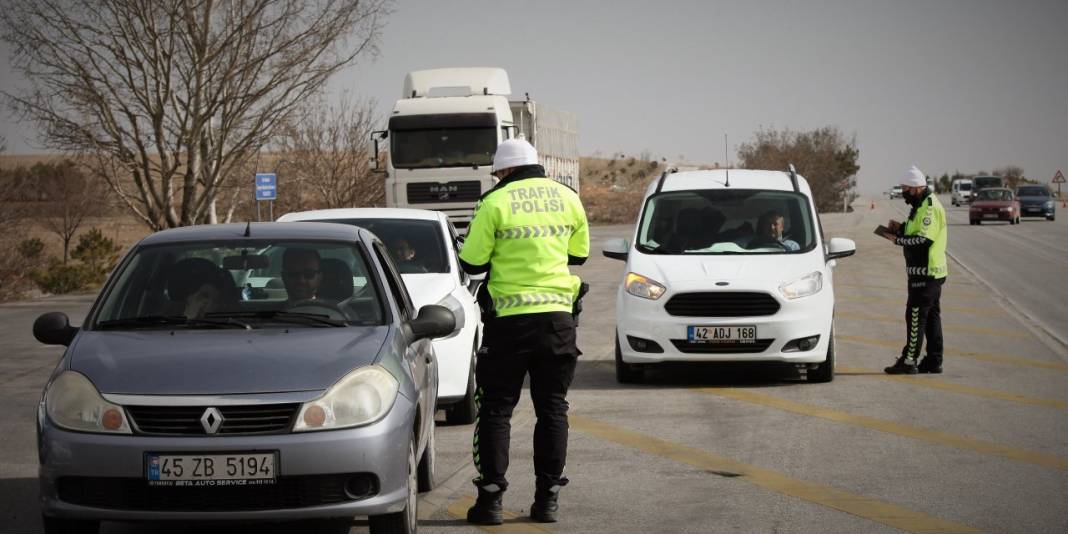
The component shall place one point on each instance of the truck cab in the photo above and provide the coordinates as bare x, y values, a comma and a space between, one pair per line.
443, 132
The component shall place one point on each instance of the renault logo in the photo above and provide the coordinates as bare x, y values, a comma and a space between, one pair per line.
211, 420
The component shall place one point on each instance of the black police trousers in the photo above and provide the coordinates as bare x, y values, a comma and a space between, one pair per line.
923, 318
543, 346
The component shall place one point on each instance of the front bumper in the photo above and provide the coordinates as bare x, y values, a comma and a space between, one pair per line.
648, 319
1038, 210
88, 468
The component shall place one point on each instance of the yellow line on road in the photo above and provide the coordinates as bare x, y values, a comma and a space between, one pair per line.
997, 332
871, 509
957, 388
512, 522
890, 427
1010, 360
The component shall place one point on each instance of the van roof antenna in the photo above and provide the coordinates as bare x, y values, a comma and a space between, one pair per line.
248, 228
727, 158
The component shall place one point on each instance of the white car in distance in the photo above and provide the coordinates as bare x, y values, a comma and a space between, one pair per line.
724, 270
423, 246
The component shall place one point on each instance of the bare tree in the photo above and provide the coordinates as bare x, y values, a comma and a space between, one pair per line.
1012, 174
3, 144
69, 197
171, 97
326, 155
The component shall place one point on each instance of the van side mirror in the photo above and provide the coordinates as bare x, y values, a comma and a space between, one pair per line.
433, 321
617, 249
53, 328
839, 247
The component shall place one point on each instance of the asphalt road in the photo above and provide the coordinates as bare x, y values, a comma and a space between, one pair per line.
719, 448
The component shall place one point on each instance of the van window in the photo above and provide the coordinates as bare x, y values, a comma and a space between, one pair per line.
735, 221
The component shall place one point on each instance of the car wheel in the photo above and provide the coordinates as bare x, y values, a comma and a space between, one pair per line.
627, 373
978, 222
465, 411
428, 463
56, 525
404, 521
1051, 218
824, 372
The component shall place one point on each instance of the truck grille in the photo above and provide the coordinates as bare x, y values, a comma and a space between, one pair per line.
237, 420
288, 492
427, 193
722, 304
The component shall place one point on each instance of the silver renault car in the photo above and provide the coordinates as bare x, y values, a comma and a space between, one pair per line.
190, 394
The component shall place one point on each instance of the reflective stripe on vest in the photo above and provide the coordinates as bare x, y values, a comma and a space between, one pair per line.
527, 232
531, 299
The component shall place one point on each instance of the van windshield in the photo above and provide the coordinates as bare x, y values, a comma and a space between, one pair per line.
735, 221
964, 187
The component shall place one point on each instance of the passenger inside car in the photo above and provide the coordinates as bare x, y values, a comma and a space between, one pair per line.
197, 286
405, 256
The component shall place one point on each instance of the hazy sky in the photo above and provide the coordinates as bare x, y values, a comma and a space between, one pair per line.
946, 85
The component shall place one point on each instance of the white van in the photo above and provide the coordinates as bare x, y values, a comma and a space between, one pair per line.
720, 271
962, 192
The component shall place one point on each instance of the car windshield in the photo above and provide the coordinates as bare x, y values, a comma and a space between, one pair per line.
443, 147
1033, 192
994, 194
246, 284
415, 246
735, 221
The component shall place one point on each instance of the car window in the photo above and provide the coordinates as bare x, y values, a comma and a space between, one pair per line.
994, 194
735, 221
251, 279
1033, 192
416, 246
396, 285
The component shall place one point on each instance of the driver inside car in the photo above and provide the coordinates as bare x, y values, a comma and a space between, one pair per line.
770, 228
301, 274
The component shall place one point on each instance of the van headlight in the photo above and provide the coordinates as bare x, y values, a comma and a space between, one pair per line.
360, 398
810, 284
643, 287
73, 402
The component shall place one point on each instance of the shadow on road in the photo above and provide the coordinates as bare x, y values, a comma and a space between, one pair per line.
600, 374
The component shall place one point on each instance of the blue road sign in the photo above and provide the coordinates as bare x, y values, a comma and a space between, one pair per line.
266, 186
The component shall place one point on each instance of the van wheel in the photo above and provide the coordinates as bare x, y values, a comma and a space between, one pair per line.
428, 463
824, 372
465, 411
1051, 218
404, 521
56, 525
627, 373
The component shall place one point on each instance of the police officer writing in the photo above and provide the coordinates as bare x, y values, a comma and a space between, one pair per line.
525, 233
923, 237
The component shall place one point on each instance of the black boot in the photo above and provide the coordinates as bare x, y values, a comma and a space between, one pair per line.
487, 509
545, 506
930, 364
903, 366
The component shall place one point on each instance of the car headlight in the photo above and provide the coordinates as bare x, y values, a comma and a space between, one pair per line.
643, 287
360, 398
457, 308
1006, 209
1049, 203
72, 402
809, 284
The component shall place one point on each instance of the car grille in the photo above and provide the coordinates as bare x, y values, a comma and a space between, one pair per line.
426, 193
136, 494
237, 420
688, 347
722, 304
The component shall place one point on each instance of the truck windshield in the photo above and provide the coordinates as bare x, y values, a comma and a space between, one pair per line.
443, 147
985, 182
726, 222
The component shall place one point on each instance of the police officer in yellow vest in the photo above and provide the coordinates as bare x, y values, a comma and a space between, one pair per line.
525, 233
923, 237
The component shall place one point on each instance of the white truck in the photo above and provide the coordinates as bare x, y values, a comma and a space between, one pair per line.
444, 131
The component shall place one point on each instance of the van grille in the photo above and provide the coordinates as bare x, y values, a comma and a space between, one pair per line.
722, 304
237, 420
428, 193
688, 347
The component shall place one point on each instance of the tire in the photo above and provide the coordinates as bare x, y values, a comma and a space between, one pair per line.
978, 222
627, 373
465, 411
404, 521
823, 372
427, 464
1051, 218
56, 525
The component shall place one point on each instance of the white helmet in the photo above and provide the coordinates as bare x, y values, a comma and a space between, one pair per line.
514, 153
914, 178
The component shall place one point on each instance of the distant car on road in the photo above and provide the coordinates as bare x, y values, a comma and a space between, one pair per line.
717, 273
423, 245
961, 192
1036, 201
994, 204
895, 192
986, 182
182, 397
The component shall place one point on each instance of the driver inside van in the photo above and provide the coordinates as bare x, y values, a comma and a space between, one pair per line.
770, 229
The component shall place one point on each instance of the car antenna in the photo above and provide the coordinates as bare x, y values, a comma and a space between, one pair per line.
248, 228
727, 158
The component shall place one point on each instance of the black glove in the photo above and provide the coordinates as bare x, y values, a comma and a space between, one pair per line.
576, 307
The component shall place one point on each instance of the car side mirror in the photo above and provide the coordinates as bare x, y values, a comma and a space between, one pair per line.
617, 249
53, 328
839, 247
433, 321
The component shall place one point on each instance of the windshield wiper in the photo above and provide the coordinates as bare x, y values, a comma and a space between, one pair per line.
283, 316
156, 321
